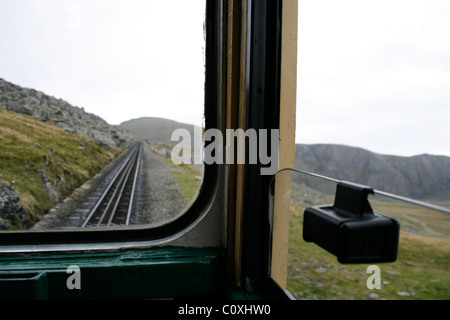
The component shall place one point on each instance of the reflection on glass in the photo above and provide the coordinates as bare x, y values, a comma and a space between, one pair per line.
80, 85
420, 272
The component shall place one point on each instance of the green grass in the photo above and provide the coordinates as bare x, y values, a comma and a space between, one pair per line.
422, 270
28, 145
184, 175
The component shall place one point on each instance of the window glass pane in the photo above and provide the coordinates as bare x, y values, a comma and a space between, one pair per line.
375, 75
373, 109
83, 82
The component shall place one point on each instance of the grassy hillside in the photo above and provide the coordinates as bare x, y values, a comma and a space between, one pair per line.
185, 176
422, 270
43, 162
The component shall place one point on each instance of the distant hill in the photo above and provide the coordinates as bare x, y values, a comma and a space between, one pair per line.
155, 129
423, 176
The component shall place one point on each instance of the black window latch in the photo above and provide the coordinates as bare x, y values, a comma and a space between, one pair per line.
350, 229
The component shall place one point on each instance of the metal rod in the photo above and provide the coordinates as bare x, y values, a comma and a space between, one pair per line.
377, 192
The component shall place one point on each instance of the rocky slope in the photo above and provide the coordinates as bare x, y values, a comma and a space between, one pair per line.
60, 113
423, 176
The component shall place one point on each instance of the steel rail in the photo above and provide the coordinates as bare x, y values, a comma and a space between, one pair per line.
116, 187
122, 184
133, 189
117, 195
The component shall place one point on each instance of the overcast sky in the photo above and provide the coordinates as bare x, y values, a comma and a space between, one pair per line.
375, 74
372, 74
118, 59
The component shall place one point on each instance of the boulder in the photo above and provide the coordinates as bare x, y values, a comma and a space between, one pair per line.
51, 191
12, 210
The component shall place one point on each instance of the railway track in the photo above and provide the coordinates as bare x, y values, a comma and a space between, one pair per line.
115, 205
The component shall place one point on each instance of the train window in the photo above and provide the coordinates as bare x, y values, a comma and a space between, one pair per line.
420, 270
372, 109
92, 94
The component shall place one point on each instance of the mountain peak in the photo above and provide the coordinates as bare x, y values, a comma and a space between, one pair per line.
422, 176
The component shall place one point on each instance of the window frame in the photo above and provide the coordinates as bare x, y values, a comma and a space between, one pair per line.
262, 93
263, 110
47, 240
